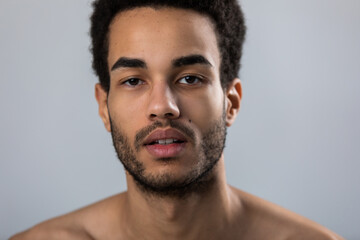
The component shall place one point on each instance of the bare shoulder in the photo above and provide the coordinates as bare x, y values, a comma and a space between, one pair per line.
269, 219
81, 224
46, 231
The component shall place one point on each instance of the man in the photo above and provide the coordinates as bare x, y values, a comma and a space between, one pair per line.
168, 90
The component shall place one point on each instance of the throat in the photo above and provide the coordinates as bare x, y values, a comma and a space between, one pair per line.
174, 216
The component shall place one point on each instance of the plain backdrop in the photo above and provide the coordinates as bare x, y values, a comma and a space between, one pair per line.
296, 141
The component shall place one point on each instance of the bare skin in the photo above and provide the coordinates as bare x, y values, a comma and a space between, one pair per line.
161, 93
236, 215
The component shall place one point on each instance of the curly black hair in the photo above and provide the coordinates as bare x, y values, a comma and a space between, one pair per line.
225, 14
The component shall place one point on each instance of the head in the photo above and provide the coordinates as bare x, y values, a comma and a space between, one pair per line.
165, 92
226, 15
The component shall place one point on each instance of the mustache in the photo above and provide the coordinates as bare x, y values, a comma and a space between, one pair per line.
144, 132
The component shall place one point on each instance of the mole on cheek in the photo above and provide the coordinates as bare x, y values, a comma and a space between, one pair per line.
189, 120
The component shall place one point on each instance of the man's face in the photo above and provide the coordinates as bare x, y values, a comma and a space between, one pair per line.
165, 107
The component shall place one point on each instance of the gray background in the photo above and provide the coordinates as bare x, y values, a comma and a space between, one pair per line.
295, 142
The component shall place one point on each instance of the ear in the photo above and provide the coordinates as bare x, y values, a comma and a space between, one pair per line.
233, 99
101, 98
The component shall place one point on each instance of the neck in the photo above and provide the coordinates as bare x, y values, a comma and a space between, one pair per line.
173, 217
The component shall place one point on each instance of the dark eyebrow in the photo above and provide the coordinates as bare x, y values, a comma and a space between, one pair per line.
128, 63
190, 60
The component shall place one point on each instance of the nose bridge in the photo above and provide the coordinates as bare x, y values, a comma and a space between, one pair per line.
162, 101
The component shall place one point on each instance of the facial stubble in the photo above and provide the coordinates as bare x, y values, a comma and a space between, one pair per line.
197, 180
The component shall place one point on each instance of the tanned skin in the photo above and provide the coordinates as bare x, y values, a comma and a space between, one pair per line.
157, 37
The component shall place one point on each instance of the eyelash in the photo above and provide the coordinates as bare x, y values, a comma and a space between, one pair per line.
127, 82
197, 78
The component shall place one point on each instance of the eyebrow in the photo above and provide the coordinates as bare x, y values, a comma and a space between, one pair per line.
125, 62
190, 60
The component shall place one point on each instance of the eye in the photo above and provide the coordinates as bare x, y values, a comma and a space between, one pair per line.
132, 82
190, 80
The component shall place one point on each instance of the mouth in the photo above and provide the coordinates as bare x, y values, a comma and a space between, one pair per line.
165, 137
167, 143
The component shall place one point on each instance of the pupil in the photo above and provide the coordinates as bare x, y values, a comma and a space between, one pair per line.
133, 81
190, 79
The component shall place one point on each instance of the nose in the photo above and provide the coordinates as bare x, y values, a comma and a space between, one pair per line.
162, 103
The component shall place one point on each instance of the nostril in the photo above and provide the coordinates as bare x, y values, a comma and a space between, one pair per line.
168, 115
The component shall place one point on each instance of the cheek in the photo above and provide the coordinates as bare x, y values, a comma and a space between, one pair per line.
125, 114
203, 109
125, 105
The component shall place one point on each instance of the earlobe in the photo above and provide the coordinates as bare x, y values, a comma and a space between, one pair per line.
101, 98
233, 98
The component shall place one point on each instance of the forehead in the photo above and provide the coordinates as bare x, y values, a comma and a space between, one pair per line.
162, 34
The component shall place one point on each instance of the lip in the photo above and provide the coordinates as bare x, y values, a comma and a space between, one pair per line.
164, 134
165, 151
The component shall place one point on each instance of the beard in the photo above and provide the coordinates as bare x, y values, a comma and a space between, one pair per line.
198, 180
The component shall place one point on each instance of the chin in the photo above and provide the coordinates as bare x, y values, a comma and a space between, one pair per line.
170, 171
172, 181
